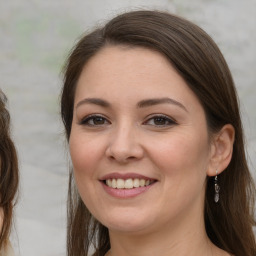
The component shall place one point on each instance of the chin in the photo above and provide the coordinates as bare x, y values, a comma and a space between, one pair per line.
127, 222
128, 228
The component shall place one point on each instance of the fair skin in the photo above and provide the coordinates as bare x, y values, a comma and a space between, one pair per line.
1, 218
136, 119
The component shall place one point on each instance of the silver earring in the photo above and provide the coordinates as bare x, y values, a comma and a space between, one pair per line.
216, 188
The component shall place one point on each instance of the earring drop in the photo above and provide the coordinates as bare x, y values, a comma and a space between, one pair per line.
216, 188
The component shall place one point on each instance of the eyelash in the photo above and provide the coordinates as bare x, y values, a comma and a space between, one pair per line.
93, 118
162, 118
167, 121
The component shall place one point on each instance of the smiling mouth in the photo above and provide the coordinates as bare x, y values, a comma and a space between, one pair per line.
128, 183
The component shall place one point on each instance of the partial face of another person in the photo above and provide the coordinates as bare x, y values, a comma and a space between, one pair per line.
1, 218
139, 142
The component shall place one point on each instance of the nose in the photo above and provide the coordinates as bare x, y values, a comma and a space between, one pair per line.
124, 145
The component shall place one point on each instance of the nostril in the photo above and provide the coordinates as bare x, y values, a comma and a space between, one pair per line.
124, 153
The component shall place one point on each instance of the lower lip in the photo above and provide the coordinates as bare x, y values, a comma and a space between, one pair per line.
126, 193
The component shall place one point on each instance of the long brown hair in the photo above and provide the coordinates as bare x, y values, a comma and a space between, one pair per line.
8, 172
198, 60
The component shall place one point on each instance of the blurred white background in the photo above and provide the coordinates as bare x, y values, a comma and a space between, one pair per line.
36, 37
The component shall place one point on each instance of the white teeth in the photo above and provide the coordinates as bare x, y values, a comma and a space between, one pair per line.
120, 183
142, 183
136, 183
128, 183
109, 183
114, 185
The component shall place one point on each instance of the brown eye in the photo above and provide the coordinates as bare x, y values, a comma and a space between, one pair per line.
98, 120
94, 121
160, 121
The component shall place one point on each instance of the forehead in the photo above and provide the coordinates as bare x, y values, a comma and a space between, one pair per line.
131, 72
131, 57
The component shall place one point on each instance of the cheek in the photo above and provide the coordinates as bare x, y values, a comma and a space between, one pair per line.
182, 162
84, 153
181, 154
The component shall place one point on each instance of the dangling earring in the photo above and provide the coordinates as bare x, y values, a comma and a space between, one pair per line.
217, 188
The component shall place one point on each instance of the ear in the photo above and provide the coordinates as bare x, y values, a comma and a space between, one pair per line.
221, 150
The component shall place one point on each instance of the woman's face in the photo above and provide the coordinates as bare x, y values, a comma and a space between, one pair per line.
139, 142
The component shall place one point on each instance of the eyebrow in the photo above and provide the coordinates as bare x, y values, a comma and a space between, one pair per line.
140, 104
95, 101
157, 101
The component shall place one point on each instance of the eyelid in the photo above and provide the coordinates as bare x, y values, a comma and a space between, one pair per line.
152, 116
85, 120
91, 116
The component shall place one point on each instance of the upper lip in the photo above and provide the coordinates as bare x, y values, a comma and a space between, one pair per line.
125, 176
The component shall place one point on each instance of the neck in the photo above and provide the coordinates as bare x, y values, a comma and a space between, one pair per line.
193, 244
188, 238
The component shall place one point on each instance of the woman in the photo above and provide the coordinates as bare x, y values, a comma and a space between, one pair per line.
8, 178
156, 142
